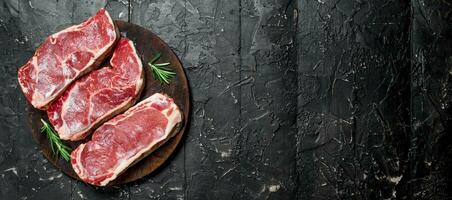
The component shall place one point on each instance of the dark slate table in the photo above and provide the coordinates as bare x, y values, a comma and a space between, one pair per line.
307, 99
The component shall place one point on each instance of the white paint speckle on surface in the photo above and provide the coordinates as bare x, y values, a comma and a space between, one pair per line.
395, 179
121, 14
225, 154
175, 188
81, 195
273, 188
12, 169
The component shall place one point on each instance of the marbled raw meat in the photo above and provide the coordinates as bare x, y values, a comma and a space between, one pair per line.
99, 95
65, 56
125, 139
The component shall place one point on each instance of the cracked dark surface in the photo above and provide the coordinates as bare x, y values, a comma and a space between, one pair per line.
307, 99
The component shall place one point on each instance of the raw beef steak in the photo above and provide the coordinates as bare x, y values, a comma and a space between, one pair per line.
100, 95
65, 56
125, 139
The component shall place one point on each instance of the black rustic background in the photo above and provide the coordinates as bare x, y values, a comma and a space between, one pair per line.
307, 99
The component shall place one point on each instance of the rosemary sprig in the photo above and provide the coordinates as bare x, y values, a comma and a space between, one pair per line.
57, 146
160, 71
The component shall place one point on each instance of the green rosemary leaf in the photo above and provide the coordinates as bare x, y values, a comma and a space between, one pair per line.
57, 146
155, 58
160, 71
161, 64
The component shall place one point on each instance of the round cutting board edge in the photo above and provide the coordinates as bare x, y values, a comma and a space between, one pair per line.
148, 45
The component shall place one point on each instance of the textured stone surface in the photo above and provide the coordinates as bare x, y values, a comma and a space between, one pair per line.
354, 99
307, 99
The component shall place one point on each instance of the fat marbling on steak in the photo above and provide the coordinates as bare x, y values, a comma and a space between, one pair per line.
65, 56
125, 139
99, 95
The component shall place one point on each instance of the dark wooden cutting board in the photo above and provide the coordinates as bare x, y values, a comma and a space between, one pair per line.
148, 45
